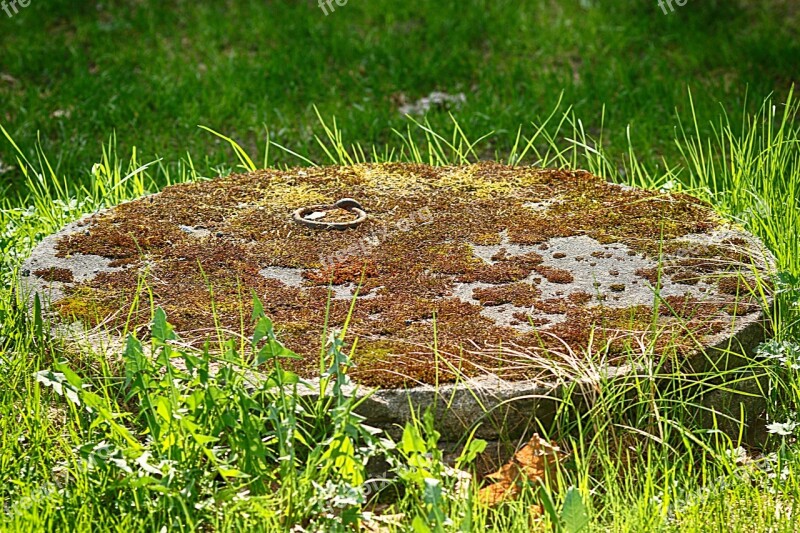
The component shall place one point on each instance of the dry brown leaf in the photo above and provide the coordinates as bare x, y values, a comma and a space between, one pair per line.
496, 493
507, 471
536, 461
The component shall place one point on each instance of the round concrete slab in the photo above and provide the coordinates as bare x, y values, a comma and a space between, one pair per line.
480, 278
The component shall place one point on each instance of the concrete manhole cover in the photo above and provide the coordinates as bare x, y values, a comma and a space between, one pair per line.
491, 268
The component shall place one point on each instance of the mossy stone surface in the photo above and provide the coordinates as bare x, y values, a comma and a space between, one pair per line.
468, 270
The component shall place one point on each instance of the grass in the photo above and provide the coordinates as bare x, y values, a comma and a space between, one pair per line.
143, 443
155, 70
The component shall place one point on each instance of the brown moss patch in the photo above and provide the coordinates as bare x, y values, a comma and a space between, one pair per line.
684, 276
508, 270
410, 262
736, 285
555, 275
517, 294
650, 274
580, 298
553, 306
62, 275
351, 270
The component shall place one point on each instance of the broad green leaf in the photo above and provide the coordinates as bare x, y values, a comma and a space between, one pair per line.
163, 408
161, 329
412, 442
203, 439
258, 307
281, 351
264, 328
230, 472
135, 361
38, 322
419, 525
281, 377
574, 515
476, 446
72, 377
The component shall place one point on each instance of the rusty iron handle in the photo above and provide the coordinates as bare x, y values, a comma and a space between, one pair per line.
348, 204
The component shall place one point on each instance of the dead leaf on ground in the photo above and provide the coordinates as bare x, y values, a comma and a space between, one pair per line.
534, 462
8, 78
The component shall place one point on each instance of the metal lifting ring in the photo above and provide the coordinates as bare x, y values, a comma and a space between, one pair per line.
348, 204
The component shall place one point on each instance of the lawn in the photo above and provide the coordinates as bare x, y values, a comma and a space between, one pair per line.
699, 99
153, 71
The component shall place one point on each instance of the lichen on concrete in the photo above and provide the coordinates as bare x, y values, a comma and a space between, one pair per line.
537, 259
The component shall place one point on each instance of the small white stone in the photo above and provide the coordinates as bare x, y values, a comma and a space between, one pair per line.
316, 215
